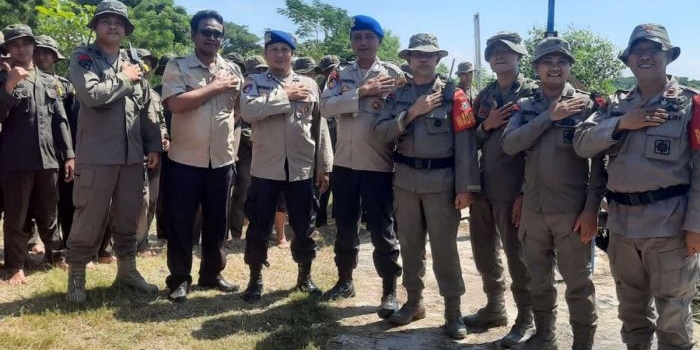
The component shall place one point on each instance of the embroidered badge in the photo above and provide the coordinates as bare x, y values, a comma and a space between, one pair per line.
333, 79
247, 88
85, 61
662, 147
376, 105
345, 88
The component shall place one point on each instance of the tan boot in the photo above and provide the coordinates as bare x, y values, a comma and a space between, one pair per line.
128, 276
76, 284
411, 311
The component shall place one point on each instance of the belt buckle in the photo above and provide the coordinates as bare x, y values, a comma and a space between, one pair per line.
422, 164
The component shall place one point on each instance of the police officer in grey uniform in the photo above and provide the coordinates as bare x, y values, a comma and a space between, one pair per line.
34, 143
653, 193
465, 72
562, 194
117, 127
437, 174
291, 149
492, 213
363, 168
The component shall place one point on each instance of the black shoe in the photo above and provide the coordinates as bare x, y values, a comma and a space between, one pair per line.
388, 306
179, 294
220, 284
342, 290
304, 282
486, 319
517, 333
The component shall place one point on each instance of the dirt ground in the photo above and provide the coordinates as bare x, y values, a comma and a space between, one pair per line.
360, 328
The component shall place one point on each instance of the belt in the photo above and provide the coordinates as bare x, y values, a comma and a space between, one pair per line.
648, 197
425, 163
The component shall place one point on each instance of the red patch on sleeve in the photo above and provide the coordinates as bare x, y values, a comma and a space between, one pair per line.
694, 128
462, 112
333, 79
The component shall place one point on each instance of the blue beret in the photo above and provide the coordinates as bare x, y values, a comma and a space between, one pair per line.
278, 36
362, 22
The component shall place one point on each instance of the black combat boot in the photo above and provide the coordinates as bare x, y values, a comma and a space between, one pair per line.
521, 329
583, 337
454, 326
343, 288
254, 290
304, 282
545, 337
389, 305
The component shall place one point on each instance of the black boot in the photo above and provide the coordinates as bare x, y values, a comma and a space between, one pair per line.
254, 290
304, 282
343, 288
490, 316
521, 329
545, 337
583, 337
389, 304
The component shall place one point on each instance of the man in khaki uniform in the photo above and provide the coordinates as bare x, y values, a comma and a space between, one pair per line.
465, 72
651, 135
291, 148
34, 143
117, 127
437, 174
562, 194
491, 214
201, 90
363, 168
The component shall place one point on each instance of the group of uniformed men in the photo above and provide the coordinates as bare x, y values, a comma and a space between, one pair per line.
407, 151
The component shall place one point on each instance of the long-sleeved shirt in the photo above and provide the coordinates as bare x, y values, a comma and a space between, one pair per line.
647, 159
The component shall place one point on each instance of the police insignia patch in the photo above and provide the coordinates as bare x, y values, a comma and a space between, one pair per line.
247, 88
376, 105
345, 88
333, 79
662, 147
85, 61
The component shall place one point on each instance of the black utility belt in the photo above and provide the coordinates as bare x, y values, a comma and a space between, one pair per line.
648, 197
425, 163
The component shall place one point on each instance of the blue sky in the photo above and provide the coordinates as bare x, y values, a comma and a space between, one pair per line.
452, 21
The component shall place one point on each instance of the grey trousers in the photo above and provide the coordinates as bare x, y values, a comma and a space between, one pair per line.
431, 213
491, 226
548, 239
105, 192
654, 270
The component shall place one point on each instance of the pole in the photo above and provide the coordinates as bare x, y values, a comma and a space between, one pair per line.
477, 51
550, 21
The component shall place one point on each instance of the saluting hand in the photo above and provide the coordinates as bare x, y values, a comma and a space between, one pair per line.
297, 92
132, 71
565, 108
69, 169
587, 226
377, 86
640, 118
14, 76
498, 116
223, 81
423, 105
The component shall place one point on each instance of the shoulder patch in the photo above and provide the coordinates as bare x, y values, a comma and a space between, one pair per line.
462, 112
85, 61
333, 79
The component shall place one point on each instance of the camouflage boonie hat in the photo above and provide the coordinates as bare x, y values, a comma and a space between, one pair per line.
510, 39
17, 31
652, 32
112, 7
255, 62
305, 65
423, 42
552, 45
328, 62
236, 58
47, 42
465, 67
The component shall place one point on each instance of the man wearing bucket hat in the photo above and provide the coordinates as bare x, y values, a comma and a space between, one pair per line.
436, 176
291, 149
562, 194
652, 135
35, 142
306, 66
491, 214
255, 65
465, 72
117, 128
363, 168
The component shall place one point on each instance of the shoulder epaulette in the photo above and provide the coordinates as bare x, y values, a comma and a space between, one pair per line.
691, 89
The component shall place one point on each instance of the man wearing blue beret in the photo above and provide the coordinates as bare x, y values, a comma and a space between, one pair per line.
363, 168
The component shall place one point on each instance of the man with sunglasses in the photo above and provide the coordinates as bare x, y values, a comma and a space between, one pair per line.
651, 135
117, 128
200, 90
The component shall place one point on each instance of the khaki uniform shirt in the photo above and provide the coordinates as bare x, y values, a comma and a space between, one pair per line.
647, 159
282, 130
501, 174
116, 122
35, 133
203, 136
556, 179
356, 146
429, 136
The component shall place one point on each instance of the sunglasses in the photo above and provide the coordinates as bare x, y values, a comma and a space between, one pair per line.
209, 33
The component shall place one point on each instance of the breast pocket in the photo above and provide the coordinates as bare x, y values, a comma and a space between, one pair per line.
664, 142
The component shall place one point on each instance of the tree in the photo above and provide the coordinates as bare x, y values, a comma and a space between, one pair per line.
597, 65
240, 40
18, 11
325, 29
161, 27
65, 21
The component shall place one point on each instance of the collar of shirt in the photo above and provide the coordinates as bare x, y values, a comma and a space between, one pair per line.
671, 89
193, 61
567, 91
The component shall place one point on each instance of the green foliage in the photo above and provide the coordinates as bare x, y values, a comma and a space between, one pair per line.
325, 29
66, 21
161, 27
596, 65
240, 40
18, 11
